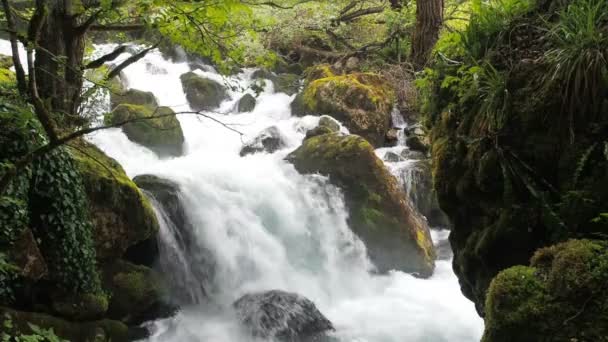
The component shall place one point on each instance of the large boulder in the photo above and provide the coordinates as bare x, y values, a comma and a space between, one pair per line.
137, 293
134, 97
163, 135
396, 236
202, 93
283, 83
561, 297
362, 102
281, 316
269, 140
193, 275
122, 216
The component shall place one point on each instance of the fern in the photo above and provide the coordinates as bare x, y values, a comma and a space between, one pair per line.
582, 164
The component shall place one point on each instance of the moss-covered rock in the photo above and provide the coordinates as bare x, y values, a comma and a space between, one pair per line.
27, 256
121, 214
80, 307
246, 103
419, 182
137, 293
134, 97
361, 101
202, 93
561, 297
396, 236
96, 331
163, 135
7, 78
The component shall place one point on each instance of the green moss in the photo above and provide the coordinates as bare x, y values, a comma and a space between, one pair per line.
135, 289
82, 307
163, 135
395, 234
560, 297
6, 62
134, 97
362, 101
122, 215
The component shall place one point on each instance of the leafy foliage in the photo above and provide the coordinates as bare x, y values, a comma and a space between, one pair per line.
579, 60
37, 334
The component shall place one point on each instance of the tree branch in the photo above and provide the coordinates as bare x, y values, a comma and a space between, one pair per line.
106, 58
127, 27
84, 27
116, 71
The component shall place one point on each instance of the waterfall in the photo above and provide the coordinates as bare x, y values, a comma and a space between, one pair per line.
268, 227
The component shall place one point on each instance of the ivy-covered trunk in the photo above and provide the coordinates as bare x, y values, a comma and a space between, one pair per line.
429, 18
59, 56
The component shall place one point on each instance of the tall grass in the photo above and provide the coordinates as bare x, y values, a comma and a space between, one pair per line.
490, 18
579, 58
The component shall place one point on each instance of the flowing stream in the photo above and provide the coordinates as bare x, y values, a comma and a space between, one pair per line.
268, 227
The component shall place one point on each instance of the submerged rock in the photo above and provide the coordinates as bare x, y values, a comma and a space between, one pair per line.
361, 101
202, 93
561, 297
269, 140
395, 235
197, 275
283, 316
164, 135
283, 83
121, 214
246, 103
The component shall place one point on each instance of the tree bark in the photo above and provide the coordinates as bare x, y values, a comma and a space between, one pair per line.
59, 56
19, 72
429, 19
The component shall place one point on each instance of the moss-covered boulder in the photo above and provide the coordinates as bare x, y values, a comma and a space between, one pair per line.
202, 93
7, 78
396, 236
19, 323
137, 293
163, 135
246, 103
362, 102
134, 97
80, 307
122, 216
561, 297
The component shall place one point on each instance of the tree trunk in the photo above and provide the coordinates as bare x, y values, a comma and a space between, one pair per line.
59, 56
429, 19
19, 72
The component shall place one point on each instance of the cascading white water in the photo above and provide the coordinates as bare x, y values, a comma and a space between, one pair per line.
269, 227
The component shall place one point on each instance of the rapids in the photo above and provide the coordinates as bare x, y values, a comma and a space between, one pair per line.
269, 227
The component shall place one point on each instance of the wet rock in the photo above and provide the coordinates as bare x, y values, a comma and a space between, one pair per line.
164, 135
281, 315
392, 157
416, 144
395, 234
415, 155
326, 125
137, 293
122, 216
196, 276
155, 70
26, 255
361, 101
202, 93
246, 103
269, 140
